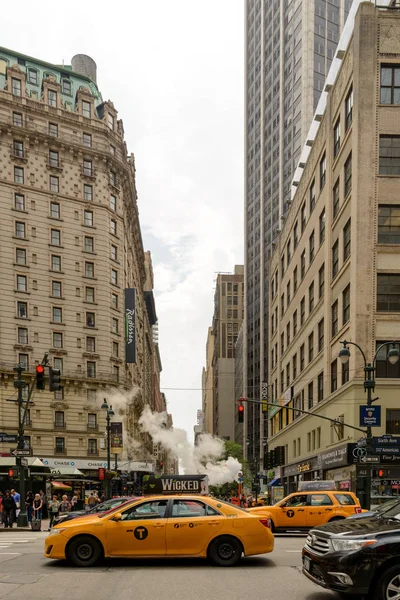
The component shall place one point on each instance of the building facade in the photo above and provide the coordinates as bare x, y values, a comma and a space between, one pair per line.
289, 48
239, 427
219, 377
335, 273
71, 246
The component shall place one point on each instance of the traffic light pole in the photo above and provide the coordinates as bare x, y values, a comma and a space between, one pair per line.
19, 383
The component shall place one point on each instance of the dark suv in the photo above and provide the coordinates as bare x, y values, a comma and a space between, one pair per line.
98, 508
356, 557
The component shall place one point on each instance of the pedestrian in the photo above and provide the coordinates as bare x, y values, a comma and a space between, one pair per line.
29, 505
65, 505
74, 501
54, 507
102, 497
44, 502
17, 499
92, 500
38, 507
9, 509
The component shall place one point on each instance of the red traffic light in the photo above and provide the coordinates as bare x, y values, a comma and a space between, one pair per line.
381, 472
40, 369
241, 408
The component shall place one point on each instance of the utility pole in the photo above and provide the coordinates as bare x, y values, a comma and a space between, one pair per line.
20, 384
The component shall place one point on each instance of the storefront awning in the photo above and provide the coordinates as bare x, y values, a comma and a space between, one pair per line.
65, 471
58, 485
274, 482
10, 461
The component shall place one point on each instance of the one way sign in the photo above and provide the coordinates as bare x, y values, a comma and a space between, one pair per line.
21, 452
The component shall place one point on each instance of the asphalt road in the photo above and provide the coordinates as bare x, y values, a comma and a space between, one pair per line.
25, 573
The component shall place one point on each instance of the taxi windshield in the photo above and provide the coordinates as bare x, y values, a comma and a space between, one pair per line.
116, 507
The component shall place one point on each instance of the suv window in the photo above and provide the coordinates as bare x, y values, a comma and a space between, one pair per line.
344, 499
320, 500
300, 500
147, 510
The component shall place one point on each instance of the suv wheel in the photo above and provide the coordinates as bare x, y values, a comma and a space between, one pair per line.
388, 587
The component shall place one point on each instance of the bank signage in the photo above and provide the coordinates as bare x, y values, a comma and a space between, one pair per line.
130, 325
54, 463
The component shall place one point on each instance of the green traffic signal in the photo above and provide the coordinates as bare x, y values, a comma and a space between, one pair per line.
54, 379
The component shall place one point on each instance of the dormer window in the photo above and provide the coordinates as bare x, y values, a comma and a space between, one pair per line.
110, 121
52, 98
86, 109
16, 86
33, 77
66, 87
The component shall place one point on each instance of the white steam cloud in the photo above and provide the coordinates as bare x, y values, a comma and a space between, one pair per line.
204, 458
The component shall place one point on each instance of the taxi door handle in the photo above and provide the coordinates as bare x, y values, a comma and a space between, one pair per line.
300, 510
213, 523
158, 525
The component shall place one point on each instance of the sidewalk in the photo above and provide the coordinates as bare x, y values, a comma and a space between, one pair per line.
45, 526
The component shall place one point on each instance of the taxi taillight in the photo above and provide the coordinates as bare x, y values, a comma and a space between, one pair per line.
358, 510
266, 522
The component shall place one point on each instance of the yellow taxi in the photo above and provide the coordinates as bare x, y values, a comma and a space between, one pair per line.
303, 510
162, 526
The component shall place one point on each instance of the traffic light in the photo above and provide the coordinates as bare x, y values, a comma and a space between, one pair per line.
240, 413
380, 473
40, 383
54, 379
280, 455
12, 473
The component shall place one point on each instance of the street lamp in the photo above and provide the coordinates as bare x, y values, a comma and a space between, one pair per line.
369, 384
110, 413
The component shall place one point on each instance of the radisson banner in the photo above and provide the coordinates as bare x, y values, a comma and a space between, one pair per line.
116, 437
130, 325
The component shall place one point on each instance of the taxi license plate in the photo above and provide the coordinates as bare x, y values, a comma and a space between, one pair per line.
307, 563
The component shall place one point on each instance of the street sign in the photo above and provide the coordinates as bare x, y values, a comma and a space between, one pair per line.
370, 416
21, 452
8, 438
362, 442
24, 462
387, 450
386, 440
369, 459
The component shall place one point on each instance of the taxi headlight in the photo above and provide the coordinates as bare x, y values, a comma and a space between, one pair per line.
347, 545
58, 530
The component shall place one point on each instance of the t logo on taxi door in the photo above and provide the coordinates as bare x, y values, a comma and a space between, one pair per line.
140, 533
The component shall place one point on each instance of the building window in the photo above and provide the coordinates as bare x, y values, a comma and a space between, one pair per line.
16, 86
302, 357
113, 227
113, 179
115, 325
302, 311
322, 172
22, 335
110, 121
88, 218
336, 197
54, 160
89, 294
90, 344
282, 265
383, 367
56, 289
58, 364
33, 76
53, 129
295, 235
88, 192
18, 119
388, 292
59, 418
321, 327
113, 202
322, 227
389, 223
288, 253
345, 372
348, 107
312, 196
287, 334
294, 323
54, 184
288, 294
52, 98
87, 140
19, 202
294, 280
114, 277
86, 109
23, 359
91, 368
92, 421
115, 349
114, 252
303, 264
92, 446
55, 262
335, 259
20, 229
287, 375
112, 149
20, 256
390, 84
348, 175
57, 340
312, 246
334, 381
114, 300
311, 347
320, 386
311, 297
18, 148
22, 283
22, 310
60, 445
335, 318
90, 319
115, 373
392, 421
89, 244
55, 210
89, 269
321, 282
389, 155
336, 138
282, 343
303, 218
347, 240
57, 314
18, 175
87, 168
310, 395
55, 237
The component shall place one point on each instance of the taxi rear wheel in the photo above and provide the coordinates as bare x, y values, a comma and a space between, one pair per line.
225, 551
84, 551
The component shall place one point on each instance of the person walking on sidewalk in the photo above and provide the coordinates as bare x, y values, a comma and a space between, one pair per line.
54, 507
37, 507
65, 505
9, 509
29, 505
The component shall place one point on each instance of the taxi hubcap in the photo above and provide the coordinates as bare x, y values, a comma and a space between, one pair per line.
226, 551
393, 589
84, 551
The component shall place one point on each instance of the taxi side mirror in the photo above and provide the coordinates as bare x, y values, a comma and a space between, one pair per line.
117, 516
284, 505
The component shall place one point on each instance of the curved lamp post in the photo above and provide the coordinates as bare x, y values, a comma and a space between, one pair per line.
110, 413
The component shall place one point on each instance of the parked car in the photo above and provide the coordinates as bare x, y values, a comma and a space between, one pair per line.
378, 510
356, 556
98, 508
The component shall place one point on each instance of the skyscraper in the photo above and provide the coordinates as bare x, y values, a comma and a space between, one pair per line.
289, 48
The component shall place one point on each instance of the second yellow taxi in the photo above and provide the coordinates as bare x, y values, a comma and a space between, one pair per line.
163, 526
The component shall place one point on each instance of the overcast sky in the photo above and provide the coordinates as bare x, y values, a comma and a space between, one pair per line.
174, 70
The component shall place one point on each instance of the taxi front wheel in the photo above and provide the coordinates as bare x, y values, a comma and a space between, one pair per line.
84, 551
225, 551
